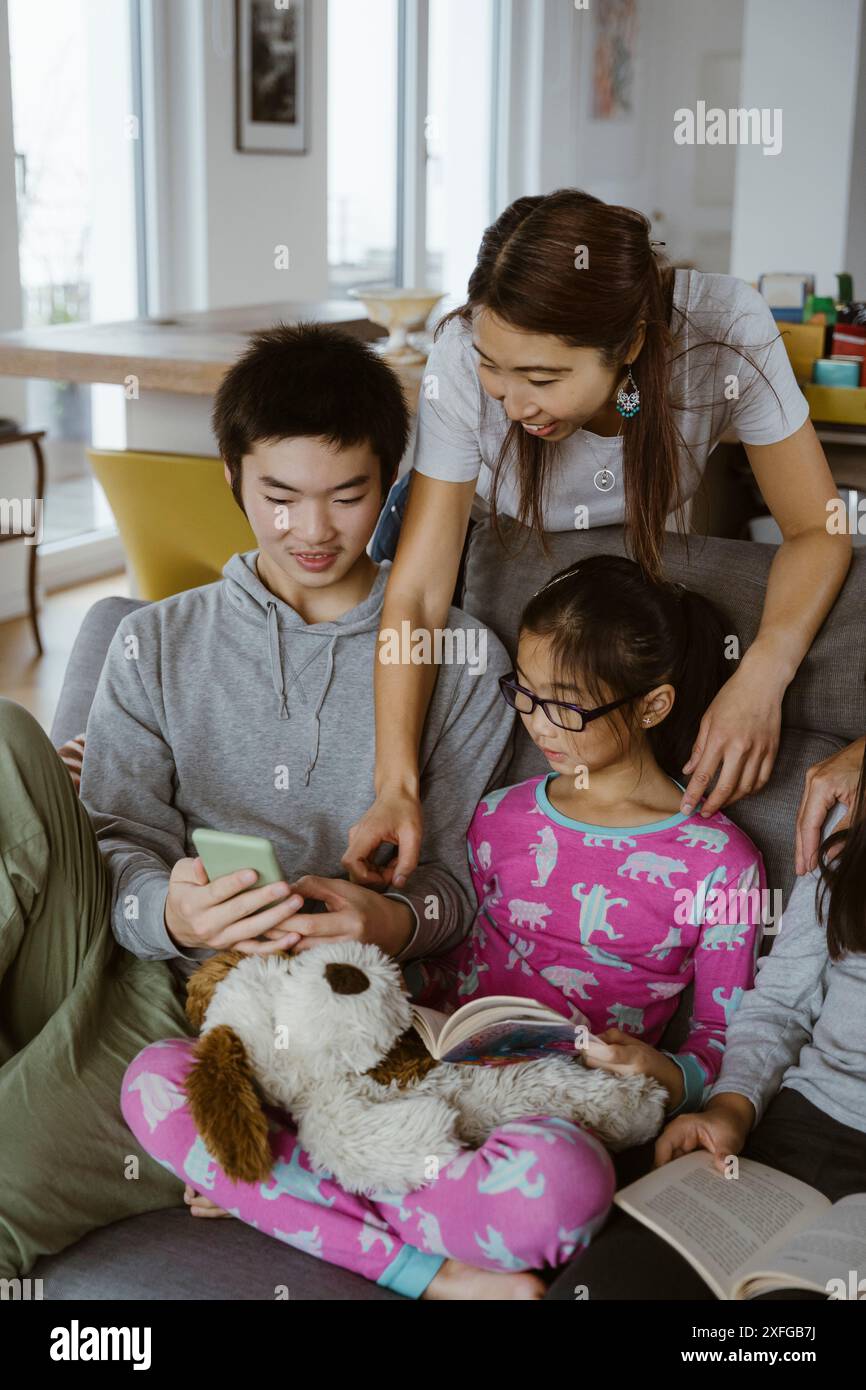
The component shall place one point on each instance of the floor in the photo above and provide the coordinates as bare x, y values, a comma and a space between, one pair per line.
35, 681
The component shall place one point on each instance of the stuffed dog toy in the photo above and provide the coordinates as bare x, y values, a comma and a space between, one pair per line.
326, 1035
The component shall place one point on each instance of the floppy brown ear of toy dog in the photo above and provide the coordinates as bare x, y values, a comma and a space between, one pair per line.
226, 1107
201, 985
223, 1099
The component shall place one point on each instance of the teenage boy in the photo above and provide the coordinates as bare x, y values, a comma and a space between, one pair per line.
244, 705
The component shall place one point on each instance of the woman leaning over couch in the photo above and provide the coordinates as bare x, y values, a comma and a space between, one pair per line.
584, 383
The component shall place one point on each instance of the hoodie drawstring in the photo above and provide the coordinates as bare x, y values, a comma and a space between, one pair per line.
279, 683
277, 676
314, 750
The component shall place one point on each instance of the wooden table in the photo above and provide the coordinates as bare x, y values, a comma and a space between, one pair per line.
172, 366
188, 354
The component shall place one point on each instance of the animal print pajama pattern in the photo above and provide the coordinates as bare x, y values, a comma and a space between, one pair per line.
592, 920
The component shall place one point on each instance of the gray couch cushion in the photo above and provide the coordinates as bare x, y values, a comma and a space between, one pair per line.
85, 664
170, 1254
824, 707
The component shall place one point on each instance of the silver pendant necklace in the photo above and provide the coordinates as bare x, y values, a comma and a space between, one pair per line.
604, 479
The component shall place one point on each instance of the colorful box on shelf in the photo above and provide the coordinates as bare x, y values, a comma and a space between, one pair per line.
841, 405
822, 308
802, 368
836, 371
860, 364
849, 342
804, 342
786, 293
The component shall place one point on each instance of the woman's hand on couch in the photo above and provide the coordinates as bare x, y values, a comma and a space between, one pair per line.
722, 1129
835, 779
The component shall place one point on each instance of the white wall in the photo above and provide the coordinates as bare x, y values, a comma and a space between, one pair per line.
694, 53
791, 210
855, 254
227, 211
634, 160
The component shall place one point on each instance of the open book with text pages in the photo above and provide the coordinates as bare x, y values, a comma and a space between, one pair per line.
754, 1233
496, 1030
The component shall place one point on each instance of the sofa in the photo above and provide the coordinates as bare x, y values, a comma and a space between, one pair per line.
167, 1254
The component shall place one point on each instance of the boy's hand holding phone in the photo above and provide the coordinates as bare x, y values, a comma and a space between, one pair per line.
352, 913
218, 914
211, 903
722, 1129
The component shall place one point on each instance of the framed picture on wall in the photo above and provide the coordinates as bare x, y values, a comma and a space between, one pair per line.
271, 69
613, 67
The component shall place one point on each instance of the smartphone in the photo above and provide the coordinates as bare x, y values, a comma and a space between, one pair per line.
224, 853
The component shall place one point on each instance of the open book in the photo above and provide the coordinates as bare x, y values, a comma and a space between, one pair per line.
760, 1231
498, 1029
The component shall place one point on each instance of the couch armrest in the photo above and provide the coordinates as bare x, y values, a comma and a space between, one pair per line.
85, 665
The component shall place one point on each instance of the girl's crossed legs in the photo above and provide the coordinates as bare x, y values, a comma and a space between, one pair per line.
529, 1198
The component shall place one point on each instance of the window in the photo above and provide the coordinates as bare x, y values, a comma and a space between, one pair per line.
459, 139
369, 57
362, 142
76, 149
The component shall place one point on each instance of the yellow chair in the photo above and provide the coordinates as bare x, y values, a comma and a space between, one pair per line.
177, 518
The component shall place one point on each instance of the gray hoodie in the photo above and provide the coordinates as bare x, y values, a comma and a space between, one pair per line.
804, 1023
222, 707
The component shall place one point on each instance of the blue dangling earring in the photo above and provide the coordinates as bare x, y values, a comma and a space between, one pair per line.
628, 401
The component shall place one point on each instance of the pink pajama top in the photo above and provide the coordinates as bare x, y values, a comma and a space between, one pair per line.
610, 923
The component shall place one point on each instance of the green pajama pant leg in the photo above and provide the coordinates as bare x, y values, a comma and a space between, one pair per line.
75, 1009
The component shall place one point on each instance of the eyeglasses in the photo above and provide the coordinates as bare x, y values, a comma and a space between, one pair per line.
574, 718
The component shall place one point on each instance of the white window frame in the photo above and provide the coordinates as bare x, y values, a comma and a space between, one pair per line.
410, 258
412, 60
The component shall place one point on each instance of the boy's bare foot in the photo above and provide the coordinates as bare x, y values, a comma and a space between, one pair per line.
200, 1205
456, 1280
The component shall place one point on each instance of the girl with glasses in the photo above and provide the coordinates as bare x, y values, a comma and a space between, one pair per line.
597, 895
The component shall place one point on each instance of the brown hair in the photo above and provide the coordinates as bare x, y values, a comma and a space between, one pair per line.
525, 273
310, 379
615, 632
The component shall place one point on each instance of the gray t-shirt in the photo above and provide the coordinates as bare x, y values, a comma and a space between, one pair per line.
460, 428
803, 1025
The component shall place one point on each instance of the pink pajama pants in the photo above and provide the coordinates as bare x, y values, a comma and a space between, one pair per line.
535, 1192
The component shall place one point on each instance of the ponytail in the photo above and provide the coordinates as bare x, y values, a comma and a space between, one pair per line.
651, 493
